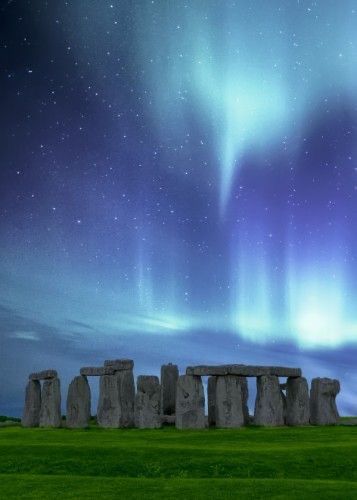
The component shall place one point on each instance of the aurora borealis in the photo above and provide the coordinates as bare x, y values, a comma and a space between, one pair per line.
178, 183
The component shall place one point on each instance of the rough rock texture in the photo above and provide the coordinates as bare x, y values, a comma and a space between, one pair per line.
168, 419
211, 400
147, 402
31, 415
229, 405
116, 400
50, 414
283, 397
323, 409
297, 401
44, 375
269, 408
96, 371
109, 409
119, 364
169, 376
190, 403
245, 394
126, 387
78, 403
243, 370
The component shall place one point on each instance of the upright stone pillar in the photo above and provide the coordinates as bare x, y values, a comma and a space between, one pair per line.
211, 397
126, 387
245, 394
169, 376
31, 414
50, 414
269, 402
229, 404
323, 409
78, 403
109, 408
190, 403
297, 401
147, 402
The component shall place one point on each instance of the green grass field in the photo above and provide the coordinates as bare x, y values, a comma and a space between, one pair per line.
294, 463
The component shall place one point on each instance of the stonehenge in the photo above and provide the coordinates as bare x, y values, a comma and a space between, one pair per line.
269, 405
179, 400
78, 403
190, 403
323, 407
147, 402
169, 376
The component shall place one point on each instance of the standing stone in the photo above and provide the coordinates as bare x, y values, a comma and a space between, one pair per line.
323, 409
283, 397
31, 415
229, 404
211, 397
126, 388
190, 403
245, 394
269, 403
147, 402
78, 403
297, 401
169, 376
109, 408
50, 414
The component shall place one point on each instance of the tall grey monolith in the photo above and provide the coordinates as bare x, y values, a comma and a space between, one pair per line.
31, 414
323, 409
50, 414
109, 411
169, 376
211, 400
297, 401
190, 403
269, 402
78, 403
245, 394
147, 402
126, 388
229, 402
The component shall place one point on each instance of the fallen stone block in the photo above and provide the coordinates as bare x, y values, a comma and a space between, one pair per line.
43, 375
31, 414
190, 403
269, 407
323, 409
78, 403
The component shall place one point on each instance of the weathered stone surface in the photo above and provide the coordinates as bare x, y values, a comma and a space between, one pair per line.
229, 404
119, 364
169, 376
269, 408
31, 414
109, 408
78, 403
126, 386
96, 371
43, 375
190, 403
147, 402
323, 409
297, 401
116, 400
211, 400
50, 414
168, 419
243, 370
245, 394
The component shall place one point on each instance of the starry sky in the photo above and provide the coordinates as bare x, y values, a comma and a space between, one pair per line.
178, 182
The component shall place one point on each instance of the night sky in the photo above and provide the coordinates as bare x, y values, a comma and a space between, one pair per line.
178, 182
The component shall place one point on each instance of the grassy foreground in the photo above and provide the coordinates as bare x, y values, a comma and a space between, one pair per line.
294, 463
